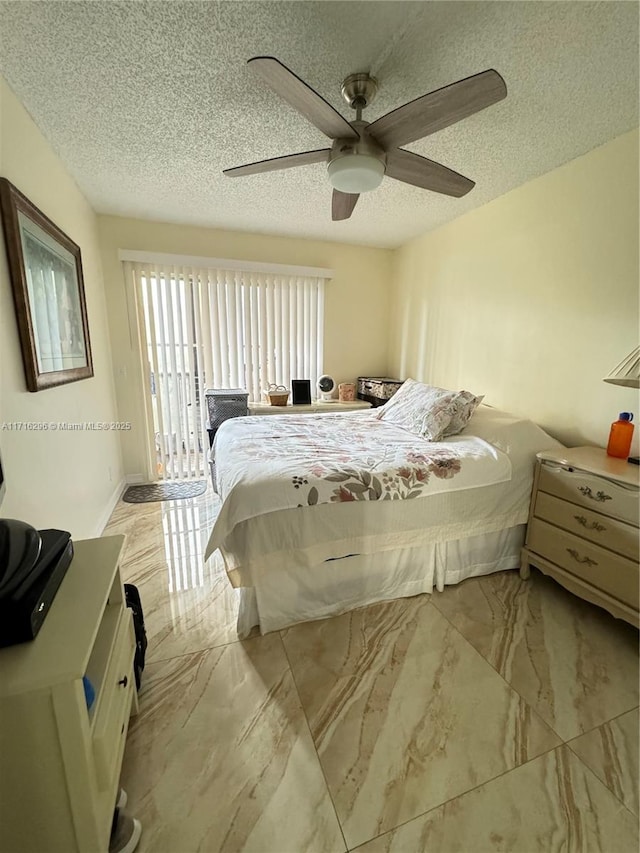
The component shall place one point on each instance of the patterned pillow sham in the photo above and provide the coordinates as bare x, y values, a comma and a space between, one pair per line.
462, 408
422, 409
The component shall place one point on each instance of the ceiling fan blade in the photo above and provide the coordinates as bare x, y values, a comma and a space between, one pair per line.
438, 109
342, 205
301, 96
413, 169
276, 163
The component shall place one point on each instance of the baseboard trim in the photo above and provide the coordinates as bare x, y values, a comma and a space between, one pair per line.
135, 479
113, 500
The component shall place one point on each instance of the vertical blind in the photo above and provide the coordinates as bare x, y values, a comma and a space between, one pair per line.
219, 328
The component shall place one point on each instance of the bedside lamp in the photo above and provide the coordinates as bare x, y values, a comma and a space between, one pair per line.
627, 373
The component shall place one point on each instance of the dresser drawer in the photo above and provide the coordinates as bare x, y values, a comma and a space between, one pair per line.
606, 532
115, 704
591, 492
609, 572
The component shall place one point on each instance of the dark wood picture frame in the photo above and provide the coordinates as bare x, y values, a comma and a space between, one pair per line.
300, 392
66, 338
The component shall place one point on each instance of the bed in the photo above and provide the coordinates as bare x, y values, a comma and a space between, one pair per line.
324, 513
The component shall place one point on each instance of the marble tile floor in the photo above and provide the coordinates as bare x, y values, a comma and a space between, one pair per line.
500, 715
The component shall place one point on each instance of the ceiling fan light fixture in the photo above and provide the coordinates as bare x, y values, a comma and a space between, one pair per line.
356, 173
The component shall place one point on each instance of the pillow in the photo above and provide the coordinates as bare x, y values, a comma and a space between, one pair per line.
510, 433
462, 408
422, 409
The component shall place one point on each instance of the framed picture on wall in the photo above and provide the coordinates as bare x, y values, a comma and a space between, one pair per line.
48, 292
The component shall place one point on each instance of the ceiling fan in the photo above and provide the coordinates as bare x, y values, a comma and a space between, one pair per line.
363, 153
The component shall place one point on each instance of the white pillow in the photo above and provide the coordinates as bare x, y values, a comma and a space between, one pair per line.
509, 432
422, 409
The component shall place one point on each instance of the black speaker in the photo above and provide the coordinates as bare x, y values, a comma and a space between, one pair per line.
301, 392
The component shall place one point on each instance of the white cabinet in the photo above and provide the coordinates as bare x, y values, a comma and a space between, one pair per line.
583, 527
59, 761
319, 407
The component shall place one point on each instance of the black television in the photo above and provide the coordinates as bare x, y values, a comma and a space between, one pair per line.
20, 546
32, 566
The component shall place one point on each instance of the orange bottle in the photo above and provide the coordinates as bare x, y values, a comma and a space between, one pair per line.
620, 436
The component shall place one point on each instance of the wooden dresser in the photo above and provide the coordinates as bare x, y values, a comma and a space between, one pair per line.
583, 527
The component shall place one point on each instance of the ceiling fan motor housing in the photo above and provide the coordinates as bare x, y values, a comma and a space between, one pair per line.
359, 90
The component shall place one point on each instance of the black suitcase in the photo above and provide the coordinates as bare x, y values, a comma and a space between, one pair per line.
132, 597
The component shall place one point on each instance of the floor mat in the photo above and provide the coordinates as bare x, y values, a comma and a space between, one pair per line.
164, 492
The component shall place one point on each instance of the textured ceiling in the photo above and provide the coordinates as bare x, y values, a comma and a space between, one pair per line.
146, 103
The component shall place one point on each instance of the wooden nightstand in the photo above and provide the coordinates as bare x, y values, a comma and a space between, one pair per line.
583, 527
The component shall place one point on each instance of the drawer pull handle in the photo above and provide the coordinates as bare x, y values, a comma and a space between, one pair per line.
593, 526
600, 497
586, 560
124, 681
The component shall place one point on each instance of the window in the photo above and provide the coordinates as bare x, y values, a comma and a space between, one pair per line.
220, 328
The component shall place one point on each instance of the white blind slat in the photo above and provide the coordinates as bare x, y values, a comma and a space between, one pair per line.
265, 374
285, 344
271, 336
250, 344
299, 319
214, 348
165, 421
240, 377
306, 334
195, 429
320, 329
176, 401
232, 329
293, 330
215, 341
151, 350
201, 414
313, 325
278, 336
223, 325
183, 370
254, 389
204, 331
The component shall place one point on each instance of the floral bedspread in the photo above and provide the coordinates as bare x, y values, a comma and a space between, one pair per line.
264, 464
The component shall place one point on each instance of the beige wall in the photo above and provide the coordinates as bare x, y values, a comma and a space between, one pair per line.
356, 304
532, 298
64, 480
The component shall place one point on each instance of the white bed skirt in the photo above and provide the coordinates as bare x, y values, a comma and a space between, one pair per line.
291, 594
